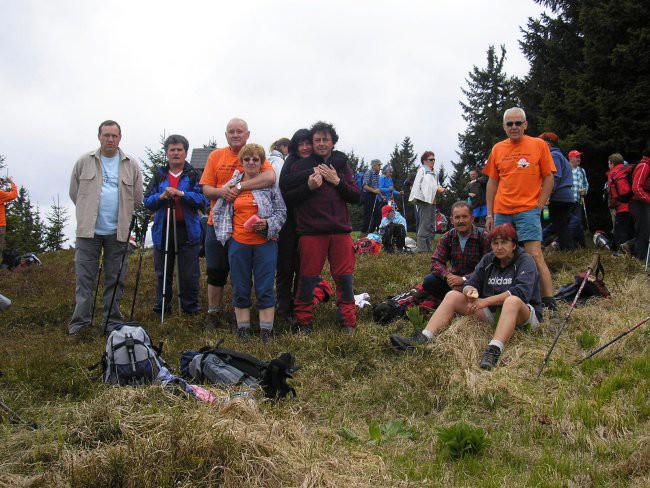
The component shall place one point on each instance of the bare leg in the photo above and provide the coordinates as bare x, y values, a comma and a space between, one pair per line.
215, 296
534, 248
513, 312
243, 314
453, 303
266, 314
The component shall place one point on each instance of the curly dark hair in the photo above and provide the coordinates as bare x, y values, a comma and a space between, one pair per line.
321, 126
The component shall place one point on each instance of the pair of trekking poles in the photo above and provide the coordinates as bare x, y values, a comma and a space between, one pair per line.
375, 206
592, 268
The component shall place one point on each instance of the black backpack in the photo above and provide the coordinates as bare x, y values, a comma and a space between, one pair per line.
594, 287
227, 367
395, 307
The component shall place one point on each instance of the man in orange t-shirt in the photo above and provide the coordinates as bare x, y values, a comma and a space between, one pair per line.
520, 171
218, 171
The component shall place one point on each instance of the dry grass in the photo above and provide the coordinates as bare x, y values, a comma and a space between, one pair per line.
576, 426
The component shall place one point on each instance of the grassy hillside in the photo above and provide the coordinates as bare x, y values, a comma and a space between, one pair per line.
364, 415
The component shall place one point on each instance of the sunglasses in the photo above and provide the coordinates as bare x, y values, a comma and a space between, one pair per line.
518, 123
431, 159
248, 158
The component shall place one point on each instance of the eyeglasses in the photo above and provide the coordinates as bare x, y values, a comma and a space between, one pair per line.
248, 158
431, 159
518, 123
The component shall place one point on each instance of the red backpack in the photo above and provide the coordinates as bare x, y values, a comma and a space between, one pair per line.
367, 246
620, 184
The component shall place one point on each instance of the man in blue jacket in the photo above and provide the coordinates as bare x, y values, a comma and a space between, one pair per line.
561, 202
176, 184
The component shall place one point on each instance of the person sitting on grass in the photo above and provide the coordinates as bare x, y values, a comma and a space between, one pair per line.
393, 226
503, 290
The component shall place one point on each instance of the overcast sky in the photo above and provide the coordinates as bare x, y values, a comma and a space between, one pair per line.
379, 70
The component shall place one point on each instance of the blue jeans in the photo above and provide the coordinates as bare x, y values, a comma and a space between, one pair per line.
248, 261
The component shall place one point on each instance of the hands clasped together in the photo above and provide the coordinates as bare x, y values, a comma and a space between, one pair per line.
323, 172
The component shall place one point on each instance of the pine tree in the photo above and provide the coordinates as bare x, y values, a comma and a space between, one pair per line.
402, 159
356, 165
154, 159
2, 162
25, 230
212, 144
57, 217
489, 93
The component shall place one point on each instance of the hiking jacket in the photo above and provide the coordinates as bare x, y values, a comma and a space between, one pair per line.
613, 174
425, 185
387, 188
6, 197
86, 187
520, 278
192, 201
270, 206
397, 219
324, 210
562, 179
641, 181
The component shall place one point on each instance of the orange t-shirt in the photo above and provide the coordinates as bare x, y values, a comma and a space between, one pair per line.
6, 197
244, 208
519, 167
218, 171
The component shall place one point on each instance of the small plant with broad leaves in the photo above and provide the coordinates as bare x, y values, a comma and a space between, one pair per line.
416, 317
461, 439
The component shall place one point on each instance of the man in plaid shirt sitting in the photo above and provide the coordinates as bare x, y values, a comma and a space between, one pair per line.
457, 254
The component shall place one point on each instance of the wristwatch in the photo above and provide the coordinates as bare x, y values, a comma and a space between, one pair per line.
464, 279
238, 186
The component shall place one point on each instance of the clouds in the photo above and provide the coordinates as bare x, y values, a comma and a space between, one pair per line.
380, 70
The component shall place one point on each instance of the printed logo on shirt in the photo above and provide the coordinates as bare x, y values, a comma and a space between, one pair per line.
500, 280
523, 163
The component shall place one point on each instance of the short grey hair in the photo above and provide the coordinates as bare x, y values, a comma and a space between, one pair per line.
513, 110
387, 168
237, 119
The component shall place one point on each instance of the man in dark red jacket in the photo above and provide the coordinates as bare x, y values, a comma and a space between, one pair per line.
640, 206
323, 223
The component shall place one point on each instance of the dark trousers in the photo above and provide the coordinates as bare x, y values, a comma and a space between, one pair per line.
394, 236
577, 211
436, 286
559, 213
641, 213
623, 228
371, 213
288, 268
188, 271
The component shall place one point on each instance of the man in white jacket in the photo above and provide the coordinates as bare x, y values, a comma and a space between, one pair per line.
423, 194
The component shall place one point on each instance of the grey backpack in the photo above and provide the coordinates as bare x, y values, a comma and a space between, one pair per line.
130, 356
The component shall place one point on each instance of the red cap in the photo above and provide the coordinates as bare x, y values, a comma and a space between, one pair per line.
574, 154
385, 210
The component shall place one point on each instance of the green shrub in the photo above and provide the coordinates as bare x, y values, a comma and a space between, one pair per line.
461, 439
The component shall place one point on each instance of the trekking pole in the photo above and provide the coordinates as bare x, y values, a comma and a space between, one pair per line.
584, 208
404, 210
593, 266
143, 235
620, 336
372, 215
178, 285
119, 273
164, 290
14, 418
99, 276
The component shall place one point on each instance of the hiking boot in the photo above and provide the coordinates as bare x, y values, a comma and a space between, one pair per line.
408, 343
212, 320
243, 334
490, 357
265, 335
304, 330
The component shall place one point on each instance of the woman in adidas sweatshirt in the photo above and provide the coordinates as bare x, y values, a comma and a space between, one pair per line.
503, 290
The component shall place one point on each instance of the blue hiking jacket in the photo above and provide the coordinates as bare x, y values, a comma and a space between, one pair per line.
563, 179
192, 202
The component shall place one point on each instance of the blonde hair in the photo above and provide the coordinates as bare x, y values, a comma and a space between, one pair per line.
252, 150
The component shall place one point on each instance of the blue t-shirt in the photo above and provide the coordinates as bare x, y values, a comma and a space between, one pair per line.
109, 198
463, 241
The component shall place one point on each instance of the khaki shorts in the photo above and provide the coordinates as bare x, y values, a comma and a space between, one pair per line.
532, 321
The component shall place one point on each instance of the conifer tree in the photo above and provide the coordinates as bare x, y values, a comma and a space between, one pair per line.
57, 217
356, 165
402, 159
25, 228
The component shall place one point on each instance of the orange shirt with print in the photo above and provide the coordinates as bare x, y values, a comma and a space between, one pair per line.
218, 171
519, 167
244, 208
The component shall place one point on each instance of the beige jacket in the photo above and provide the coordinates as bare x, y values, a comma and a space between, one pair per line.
86, 186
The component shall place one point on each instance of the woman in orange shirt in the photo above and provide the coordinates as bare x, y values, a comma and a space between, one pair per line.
251, 225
